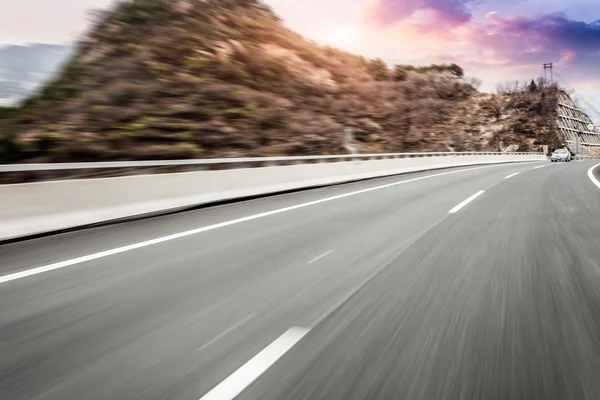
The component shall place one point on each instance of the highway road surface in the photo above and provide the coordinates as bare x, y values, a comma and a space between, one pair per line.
467, 283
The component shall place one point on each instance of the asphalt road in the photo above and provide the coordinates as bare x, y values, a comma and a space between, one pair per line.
369, 290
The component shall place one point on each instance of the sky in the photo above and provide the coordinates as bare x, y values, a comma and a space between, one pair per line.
493, 40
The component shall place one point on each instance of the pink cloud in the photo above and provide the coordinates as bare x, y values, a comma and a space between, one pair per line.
443, 27
573, 45
428, 14
567, 59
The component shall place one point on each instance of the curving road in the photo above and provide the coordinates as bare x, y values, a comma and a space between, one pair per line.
470, 283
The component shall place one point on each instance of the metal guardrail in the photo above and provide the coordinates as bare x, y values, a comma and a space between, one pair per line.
235, 161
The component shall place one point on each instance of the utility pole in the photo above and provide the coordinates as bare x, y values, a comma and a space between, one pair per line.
550, 67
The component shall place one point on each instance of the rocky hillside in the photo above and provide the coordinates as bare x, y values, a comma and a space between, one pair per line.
219, 78
521, 117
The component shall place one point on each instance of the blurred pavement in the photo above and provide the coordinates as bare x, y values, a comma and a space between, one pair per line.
399, 298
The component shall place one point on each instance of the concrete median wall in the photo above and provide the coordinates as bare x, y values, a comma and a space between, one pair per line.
34, 208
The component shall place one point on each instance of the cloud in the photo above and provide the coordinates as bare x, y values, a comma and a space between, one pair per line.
427, 14
550, 31
536, 40
492, 39
518, 38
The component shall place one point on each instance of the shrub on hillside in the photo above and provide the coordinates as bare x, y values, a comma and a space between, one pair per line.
378, 69
400, 73
10, 149
452, 68
142, 11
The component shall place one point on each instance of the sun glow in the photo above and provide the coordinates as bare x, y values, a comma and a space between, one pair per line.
341, 37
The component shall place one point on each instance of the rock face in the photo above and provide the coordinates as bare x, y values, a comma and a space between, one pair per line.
219, 78
519, 119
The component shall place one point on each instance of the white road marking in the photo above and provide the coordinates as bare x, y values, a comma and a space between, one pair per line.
118, 250
317, 258
464, 203
592, 177
235, 383
510, 176
226, 332
541, 166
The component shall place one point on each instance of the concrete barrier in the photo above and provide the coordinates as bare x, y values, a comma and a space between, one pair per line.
35, 208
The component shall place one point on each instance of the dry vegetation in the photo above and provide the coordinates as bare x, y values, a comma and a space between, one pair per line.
531, 114
196, 78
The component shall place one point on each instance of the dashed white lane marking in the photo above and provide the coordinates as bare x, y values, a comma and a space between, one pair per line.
464, 203
592, 177
510, 176
317, 258
118, 250
541, 166
226, 332
235, 383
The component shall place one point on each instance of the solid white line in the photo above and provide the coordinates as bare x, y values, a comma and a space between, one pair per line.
226, 332
541, 166
464, 203
510, 176
317, 258
592, 177
118, 250
235, 383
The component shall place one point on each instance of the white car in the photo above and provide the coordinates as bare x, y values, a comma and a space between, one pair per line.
561, 155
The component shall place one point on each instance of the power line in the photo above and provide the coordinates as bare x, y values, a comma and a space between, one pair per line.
577, 94
588, 105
